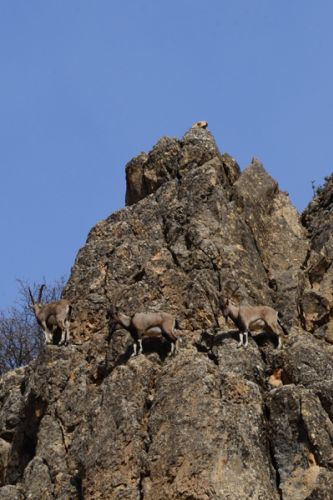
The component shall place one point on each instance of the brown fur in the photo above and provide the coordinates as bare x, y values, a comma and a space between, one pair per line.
52, 315
244, 316
148, 324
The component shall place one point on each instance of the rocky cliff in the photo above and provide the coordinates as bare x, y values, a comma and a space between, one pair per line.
214, 421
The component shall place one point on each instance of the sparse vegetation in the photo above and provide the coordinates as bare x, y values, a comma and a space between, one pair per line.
318, 190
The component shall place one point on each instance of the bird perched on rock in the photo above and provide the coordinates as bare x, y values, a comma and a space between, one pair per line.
201, 124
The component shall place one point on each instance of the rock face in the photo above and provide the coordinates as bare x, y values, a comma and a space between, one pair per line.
317, 296
214, 421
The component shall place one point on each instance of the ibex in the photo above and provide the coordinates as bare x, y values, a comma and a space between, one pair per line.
244, 316
147, 324
51, 316
201, 124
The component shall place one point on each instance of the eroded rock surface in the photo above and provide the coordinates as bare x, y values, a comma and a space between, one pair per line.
214, 421
317, 296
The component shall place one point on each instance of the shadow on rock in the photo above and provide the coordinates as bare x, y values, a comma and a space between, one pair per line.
214, 337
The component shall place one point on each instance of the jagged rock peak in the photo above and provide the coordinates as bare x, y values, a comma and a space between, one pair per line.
204, 219
318, 216
168, 160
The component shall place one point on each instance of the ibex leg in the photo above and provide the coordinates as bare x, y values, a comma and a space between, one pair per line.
140, 346
47, 333
280, 342
240, 343
173, 348
65, 336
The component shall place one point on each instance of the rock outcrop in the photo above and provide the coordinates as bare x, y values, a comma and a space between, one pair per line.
317, 296
214, 421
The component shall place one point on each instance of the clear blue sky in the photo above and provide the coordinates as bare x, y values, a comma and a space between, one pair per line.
86, 85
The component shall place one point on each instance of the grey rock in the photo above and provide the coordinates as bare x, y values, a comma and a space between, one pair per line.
11, 492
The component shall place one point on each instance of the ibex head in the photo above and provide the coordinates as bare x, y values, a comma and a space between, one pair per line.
224, 304
222, 296
36, 306
114, 314
227, 291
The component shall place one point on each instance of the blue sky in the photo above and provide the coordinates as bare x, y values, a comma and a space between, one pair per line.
85, 86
